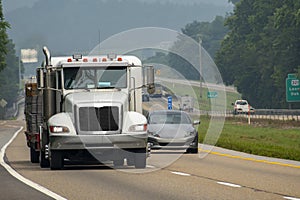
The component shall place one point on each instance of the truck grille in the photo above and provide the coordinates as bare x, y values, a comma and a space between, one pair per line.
99, 119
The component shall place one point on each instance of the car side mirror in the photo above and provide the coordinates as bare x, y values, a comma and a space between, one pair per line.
196, 122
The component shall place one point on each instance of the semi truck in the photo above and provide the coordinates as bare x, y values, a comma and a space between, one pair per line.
88, 109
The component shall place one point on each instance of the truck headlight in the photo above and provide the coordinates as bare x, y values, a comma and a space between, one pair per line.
59, 129
138, 128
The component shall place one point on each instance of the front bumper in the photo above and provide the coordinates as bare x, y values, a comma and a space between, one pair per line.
240, 111
98, 142
171, 143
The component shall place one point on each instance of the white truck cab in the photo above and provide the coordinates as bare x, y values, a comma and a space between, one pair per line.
92, 109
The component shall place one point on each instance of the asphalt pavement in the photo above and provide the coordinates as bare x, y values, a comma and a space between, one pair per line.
10, 187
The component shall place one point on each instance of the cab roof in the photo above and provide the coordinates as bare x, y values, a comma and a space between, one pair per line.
99, 60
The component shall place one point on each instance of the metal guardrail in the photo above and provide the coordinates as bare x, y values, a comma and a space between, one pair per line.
273, 114
277, 112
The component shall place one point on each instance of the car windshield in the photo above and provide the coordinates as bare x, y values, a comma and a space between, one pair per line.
95, 77
169, 118
241, 103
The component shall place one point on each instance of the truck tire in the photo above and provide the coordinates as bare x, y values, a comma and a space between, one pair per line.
130, 159
44, 163
140, 158
34, 155
118, 163
130, 162
57, 160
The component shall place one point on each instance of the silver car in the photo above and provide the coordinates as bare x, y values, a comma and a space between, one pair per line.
172, 129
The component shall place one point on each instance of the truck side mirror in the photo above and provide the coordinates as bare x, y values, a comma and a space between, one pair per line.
150, 79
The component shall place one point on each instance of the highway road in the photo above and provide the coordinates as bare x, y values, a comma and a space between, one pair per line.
10, 187
220, 174
219, 87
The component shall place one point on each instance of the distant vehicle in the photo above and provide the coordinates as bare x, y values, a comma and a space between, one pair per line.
145, 97
158, 91
242, 106
186, 103
172, 129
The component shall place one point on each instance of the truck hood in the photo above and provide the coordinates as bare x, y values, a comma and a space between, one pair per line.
95, 97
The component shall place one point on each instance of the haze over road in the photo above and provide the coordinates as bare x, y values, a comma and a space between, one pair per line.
189, 177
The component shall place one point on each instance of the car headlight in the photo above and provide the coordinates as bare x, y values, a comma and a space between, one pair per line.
191, 133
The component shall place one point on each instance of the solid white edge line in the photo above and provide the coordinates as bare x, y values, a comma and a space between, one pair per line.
229, 184
20, 177
181, 173
150, 166
291, 198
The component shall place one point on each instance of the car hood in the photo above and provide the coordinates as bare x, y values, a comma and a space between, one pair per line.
170, 130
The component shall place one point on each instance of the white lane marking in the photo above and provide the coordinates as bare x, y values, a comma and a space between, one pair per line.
291, 198
20, 177
229, 184
150, 166
181, 173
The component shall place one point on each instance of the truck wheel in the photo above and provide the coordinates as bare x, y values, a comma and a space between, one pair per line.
44, 163
34, 155
140, 158
118, 163
57, 160
130, 159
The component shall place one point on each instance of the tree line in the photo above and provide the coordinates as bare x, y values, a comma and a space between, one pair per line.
9, 68
254, 48
261, 48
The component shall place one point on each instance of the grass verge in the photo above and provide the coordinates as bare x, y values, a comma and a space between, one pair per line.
204, 103
272, 138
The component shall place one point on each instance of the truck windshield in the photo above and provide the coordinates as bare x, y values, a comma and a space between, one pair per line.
95, 77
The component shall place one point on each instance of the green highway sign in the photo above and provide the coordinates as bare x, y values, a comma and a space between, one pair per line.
292, 88
212, 94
